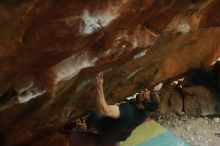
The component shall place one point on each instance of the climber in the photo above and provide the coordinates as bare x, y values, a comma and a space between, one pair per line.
115, 122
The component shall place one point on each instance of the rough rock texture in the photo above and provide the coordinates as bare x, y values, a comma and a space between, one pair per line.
50, 50
195, 101
202, 131
204, 106
171, 101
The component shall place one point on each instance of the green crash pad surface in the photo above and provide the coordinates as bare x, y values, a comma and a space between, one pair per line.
152, 133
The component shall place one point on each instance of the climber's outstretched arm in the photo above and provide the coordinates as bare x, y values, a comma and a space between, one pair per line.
103, 107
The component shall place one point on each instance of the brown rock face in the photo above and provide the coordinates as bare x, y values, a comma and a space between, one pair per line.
51, 50
200, 102
171, 101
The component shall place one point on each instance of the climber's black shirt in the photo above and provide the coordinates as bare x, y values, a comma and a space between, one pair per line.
121, 128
